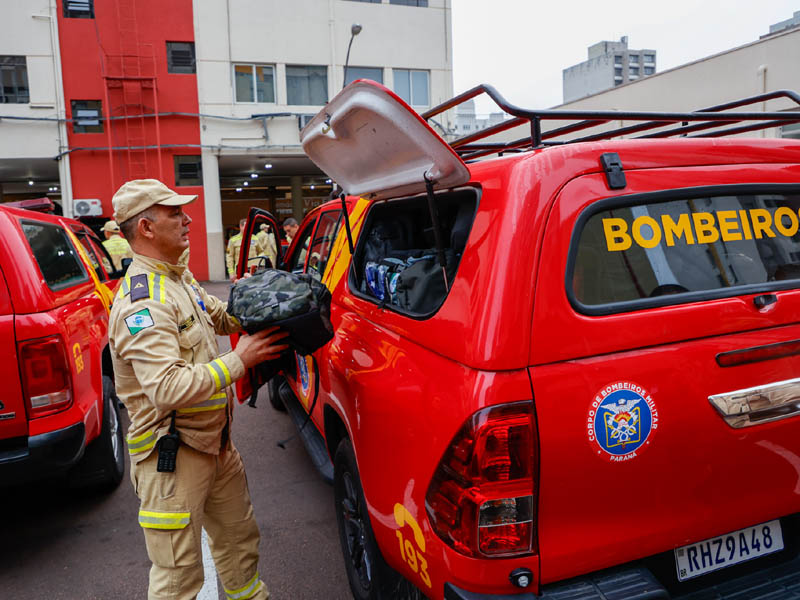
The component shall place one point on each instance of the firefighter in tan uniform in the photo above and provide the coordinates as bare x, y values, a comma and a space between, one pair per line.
232, 251
176, 386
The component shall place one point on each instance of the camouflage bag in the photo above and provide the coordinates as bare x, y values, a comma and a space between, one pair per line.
297, 304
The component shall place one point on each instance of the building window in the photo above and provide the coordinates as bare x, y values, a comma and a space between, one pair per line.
649, 58
618, 81
254, 83
791, 131
79, 9
13, 80
372, 1
618, 71
188, 170
86, 115
180, 57
633, 59
423, 3
617, 60
634, 71
374, 73
649, 70
412, 86
307, 85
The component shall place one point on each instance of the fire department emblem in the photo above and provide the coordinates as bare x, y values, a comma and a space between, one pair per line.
621, 422
302, 372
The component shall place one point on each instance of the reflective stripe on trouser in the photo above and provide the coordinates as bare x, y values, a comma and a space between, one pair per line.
210, 492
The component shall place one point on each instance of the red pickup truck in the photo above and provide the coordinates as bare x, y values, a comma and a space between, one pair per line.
570, 371
58, 411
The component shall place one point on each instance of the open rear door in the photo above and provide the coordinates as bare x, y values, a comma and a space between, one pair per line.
372, 143
268, 256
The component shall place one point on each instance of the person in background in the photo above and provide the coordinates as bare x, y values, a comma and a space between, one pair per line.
266, 245
290, 228
176, 385
116, 245
234, 246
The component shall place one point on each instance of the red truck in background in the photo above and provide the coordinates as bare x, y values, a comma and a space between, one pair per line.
570, 371
58, 410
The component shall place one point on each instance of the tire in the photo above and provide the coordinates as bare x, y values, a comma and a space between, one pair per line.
369, 576
103, 463
273, 389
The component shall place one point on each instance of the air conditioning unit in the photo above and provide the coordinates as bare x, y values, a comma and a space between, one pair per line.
90, 207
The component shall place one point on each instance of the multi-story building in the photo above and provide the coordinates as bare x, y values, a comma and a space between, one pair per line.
766, 65
467, 121
609, 64
208, 96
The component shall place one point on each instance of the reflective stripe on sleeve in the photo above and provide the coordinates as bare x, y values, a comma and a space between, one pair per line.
152, 519
216, 402
243, 593
157, 288
220, 373
141, 442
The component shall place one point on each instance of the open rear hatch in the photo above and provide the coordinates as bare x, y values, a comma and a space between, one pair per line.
372, 143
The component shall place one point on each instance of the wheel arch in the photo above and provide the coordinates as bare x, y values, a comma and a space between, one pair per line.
335, 430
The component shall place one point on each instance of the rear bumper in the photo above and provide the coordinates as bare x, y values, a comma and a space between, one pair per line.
771, 580
40, 456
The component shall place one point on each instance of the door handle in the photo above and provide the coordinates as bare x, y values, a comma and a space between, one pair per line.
760, 404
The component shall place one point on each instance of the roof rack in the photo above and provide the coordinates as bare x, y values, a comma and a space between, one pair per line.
701, 120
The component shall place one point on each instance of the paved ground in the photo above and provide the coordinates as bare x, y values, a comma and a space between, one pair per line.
63, 545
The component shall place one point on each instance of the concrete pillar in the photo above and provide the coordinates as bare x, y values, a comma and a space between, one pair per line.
297, 197
213, 208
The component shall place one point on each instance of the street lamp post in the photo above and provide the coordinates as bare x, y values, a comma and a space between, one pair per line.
355, 29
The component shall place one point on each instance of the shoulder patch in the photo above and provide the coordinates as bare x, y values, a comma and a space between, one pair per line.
139, 320
139, 287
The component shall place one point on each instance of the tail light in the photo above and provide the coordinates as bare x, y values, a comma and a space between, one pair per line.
45, 375
481, 498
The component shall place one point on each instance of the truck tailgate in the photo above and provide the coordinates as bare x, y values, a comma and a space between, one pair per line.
13, 420
686, 474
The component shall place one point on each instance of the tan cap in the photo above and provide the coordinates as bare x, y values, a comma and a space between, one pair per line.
111, 227
140, 194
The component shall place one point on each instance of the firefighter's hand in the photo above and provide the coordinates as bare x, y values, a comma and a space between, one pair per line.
261, 346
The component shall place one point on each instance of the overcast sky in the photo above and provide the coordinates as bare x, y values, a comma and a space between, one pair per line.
522, 46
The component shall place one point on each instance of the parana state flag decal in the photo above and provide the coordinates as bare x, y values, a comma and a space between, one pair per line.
138, 321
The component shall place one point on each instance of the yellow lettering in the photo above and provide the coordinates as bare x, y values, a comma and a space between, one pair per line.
762, 221
728, 225
680, 229
645, 221
704, 228
748, 235
784, 211
617, 237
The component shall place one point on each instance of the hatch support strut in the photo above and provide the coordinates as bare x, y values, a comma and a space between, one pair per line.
437, 230
347, 223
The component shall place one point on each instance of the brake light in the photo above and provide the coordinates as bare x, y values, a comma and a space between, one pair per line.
45, 376
481, 498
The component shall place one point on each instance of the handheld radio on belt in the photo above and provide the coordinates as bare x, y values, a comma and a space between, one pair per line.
168, 449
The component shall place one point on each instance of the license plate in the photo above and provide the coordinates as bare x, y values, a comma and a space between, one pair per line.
726, 550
